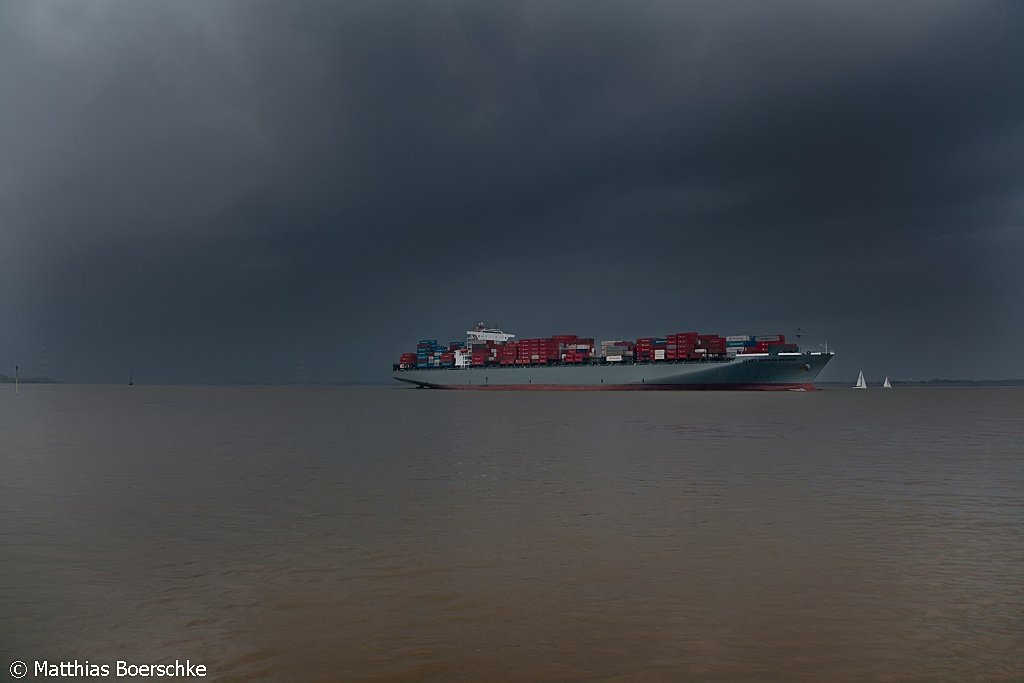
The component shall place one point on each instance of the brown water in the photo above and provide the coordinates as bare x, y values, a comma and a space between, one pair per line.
372, 534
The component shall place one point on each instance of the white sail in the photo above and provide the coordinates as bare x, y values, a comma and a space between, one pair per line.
887, 384
861, 384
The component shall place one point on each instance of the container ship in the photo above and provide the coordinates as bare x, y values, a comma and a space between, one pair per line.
493, 359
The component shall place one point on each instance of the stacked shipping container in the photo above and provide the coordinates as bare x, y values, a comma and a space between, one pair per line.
568, 348
617, 351
765, 343
681, 346
430, 354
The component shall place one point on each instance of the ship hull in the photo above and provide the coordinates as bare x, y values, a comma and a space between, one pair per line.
762, 372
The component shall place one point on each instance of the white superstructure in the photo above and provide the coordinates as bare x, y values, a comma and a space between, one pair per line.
481, 333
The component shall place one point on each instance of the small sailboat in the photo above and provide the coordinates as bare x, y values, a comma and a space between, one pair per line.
861, 384
887, 384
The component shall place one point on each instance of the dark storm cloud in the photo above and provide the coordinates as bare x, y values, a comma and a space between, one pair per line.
212, 191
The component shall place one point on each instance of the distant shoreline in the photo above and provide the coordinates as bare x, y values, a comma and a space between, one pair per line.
940, 383
4, 379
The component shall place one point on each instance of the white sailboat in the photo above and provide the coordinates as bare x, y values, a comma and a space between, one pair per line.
861, 384
887, 384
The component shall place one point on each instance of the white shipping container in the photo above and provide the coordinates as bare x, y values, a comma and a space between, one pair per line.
659, 354
614, 359
740, 337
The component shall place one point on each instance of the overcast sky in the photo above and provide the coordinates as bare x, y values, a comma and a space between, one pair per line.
266, 191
